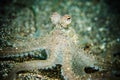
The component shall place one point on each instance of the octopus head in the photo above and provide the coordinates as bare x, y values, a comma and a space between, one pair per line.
55, 18
65, 20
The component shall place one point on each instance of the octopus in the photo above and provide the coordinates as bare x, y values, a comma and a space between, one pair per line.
61, 47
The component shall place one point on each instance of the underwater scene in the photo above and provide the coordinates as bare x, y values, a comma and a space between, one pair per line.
59, 40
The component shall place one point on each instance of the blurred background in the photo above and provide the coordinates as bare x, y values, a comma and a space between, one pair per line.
95, 21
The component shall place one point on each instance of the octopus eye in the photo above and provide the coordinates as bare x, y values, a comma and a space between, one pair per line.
68, 18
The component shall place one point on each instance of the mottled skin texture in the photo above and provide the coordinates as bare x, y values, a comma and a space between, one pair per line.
63, 50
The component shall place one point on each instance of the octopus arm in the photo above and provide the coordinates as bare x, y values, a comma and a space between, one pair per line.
28, 45
32, 65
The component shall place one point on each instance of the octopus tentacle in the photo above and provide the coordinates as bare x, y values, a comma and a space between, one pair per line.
24, 47
40, 53
75, 61
27, 46
67, 70
32, 65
